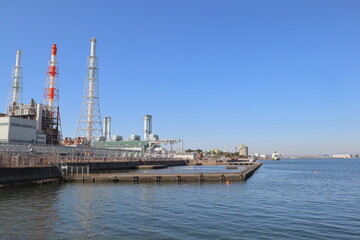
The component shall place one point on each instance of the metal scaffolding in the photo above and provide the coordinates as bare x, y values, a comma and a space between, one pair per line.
26, 155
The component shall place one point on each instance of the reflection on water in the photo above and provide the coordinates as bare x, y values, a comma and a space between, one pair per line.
282, 200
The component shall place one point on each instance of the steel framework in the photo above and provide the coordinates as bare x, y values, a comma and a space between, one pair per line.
51, 150
89, 125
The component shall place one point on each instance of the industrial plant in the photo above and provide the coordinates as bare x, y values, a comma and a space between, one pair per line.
33, 150
36, 127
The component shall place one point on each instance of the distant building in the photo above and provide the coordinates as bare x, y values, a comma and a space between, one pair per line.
262, 156
243, 150
186, 156
344, 155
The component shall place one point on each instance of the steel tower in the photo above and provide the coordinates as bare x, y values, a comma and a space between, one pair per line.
51, 113
89, 125
16, 90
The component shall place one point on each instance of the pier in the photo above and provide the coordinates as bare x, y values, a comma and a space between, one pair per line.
137, 177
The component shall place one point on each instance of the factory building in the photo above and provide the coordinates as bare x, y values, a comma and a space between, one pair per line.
134, 142
32, 123
40, 122
150, 144
19, 130
243, 150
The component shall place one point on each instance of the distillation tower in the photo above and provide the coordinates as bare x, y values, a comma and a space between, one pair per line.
89, 126
16, 90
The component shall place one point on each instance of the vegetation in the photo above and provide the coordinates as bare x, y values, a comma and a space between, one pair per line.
191, 150
217, 153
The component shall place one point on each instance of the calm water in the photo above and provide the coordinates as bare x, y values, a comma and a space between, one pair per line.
288, 199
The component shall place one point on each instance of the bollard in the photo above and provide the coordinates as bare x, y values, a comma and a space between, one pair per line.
157, 179
222, 178
135, 179
201, 178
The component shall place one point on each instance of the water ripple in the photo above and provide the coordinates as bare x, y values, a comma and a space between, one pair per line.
283, 200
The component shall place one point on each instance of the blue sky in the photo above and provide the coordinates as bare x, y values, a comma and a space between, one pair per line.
275, 75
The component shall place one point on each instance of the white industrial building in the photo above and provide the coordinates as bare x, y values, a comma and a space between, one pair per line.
19, 130
342, 155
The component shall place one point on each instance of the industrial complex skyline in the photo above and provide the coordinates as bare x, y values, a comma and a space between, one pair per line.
274, 75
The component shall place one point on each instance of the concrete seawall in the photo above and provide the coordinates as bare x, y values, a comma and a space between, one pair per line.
127, 164
10, 176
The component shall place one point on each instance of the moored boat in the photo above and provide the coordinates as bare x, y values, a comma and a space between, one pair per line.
276, 155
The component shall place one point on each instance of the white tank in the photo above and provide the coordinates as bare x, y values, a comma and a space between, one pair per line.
100, 139
134, 137
116, 138
153, 137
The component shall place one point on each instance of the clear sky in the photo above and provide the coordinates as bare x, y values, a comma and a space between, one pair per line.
275, 75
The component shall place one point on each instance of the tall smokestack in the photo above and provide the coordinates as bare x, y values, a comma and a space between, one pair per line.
147, 126
15, 94
90, 120
51, 92
51, 113
107, 128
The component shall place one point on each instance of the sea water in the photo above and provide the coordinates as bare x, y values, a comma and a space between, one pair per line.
286, 199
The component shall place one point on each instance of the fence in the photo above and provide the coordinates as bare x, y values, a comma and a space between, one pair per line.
75, 170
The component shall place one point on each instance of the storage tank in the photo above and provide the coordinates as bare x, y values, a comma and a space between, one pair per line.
99, 139
134, 137
153, 137
116, 138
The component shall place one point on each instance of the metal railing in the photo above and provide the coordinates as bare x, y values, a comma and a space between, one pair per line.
35, 155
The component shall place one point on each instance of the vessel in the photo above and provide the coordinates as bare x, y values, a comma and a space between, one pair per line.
276, 155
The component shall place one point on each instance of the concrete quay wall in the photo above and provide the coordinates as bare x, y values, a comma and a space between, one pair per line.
127, 164
10, 176
250, 170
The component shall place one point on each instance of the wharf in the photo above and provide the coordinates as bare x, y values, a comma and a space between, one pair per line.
137, 177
